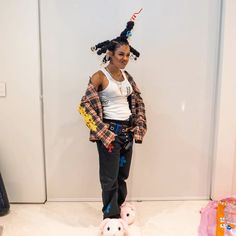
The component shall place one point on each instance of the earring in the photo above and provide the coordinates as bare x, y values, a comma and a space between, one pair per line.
107, 57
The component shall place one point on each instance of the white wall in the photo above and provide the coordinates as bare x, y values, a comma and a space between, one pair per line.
21, 149
224, 178
176, 72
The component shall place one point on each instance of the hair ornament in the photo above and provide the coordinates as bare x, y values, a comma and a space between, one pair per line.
133, 57
111, 45
128, 34
133, 17
93, 49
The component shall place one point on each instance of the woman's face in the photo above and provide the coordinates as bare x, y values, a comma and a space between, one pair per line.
120, 57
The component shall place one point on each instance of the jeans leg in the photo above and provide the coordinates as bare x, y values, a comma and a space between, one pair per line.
124, 169
108, 171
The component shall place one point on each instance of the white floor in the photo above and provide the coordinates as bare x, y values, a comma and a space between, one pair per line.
155, 218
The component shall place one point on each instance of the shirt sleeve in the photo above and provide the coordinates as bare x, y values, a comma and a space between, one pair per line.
87, 108
140, 121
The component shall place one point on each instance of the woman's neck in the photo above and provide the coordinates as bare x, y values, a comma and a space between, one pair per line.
113, 69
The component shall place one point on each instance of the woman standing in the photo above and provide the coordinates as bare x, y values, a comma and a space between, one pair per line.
114, 112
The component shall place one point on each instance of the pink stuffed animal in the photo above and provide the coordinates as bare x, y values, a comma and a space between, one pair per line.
128, 213
113, 227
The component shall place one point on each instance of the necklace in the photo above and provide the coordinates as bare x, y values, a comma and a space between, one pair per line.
118, 83
120, 76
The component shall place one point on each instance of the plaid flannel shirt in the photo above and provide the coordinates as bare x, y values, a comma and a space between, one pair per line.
91, 109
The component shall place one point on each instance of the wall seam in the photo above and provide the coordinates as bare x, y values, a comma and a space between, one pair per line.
41, 97
217, 98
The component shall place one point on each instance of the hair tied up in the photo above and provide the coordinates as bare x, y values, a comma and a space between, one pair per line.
111, 45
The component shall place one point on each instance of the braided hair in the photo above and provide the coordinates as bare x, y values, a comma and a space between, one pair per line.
112, 45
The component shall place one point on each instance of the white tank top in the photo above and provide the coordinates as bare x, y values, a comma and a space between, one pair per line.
114, 97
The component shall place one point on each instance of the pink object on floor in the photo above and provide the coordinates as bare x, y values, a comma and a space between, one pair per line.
208, 220
218, 218
128, 213
113, 227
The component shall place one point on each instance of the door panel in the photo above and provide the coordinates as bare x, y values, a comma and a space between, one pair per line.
176, 73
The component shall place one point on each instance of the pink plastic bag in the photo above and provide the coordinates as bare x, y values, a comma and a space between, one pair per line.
218, 218
208, 220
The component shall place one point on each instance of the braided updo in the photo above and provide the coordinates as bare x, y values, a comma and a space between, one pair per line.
112, 45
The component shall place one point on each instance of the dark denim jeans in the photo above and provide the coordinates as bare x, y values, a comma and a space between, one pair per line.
114, 167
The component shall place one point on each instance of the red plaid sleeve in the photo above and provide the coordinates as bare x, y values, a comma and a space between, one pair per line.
89, 108
140, 121
138, 112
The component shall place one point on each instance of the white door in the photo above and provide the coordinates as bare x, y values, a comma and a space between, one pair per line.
21, 136
176, 72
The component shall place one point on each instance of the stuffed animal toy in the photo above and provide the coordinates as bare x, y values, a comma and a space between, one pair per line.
128, 213
113, 227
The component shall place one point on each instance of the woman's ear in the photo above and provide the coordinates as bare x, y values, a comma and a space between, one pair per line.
109, 54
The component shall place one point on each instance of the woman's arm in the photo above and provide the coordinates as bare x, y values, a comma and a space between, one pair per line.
96, 80
90, 108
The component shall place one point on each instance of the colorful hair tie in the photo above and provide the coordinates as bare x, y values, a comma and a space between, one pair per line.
110, 45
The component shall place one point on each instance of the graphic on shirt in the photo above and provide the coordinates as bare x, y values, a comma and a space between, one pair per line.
125, 90
104, 100
88, 119
122, 161
128, 90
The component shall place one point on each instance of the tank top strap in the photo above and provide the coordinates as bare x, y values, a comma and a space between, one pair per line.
124, 75
105, 72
